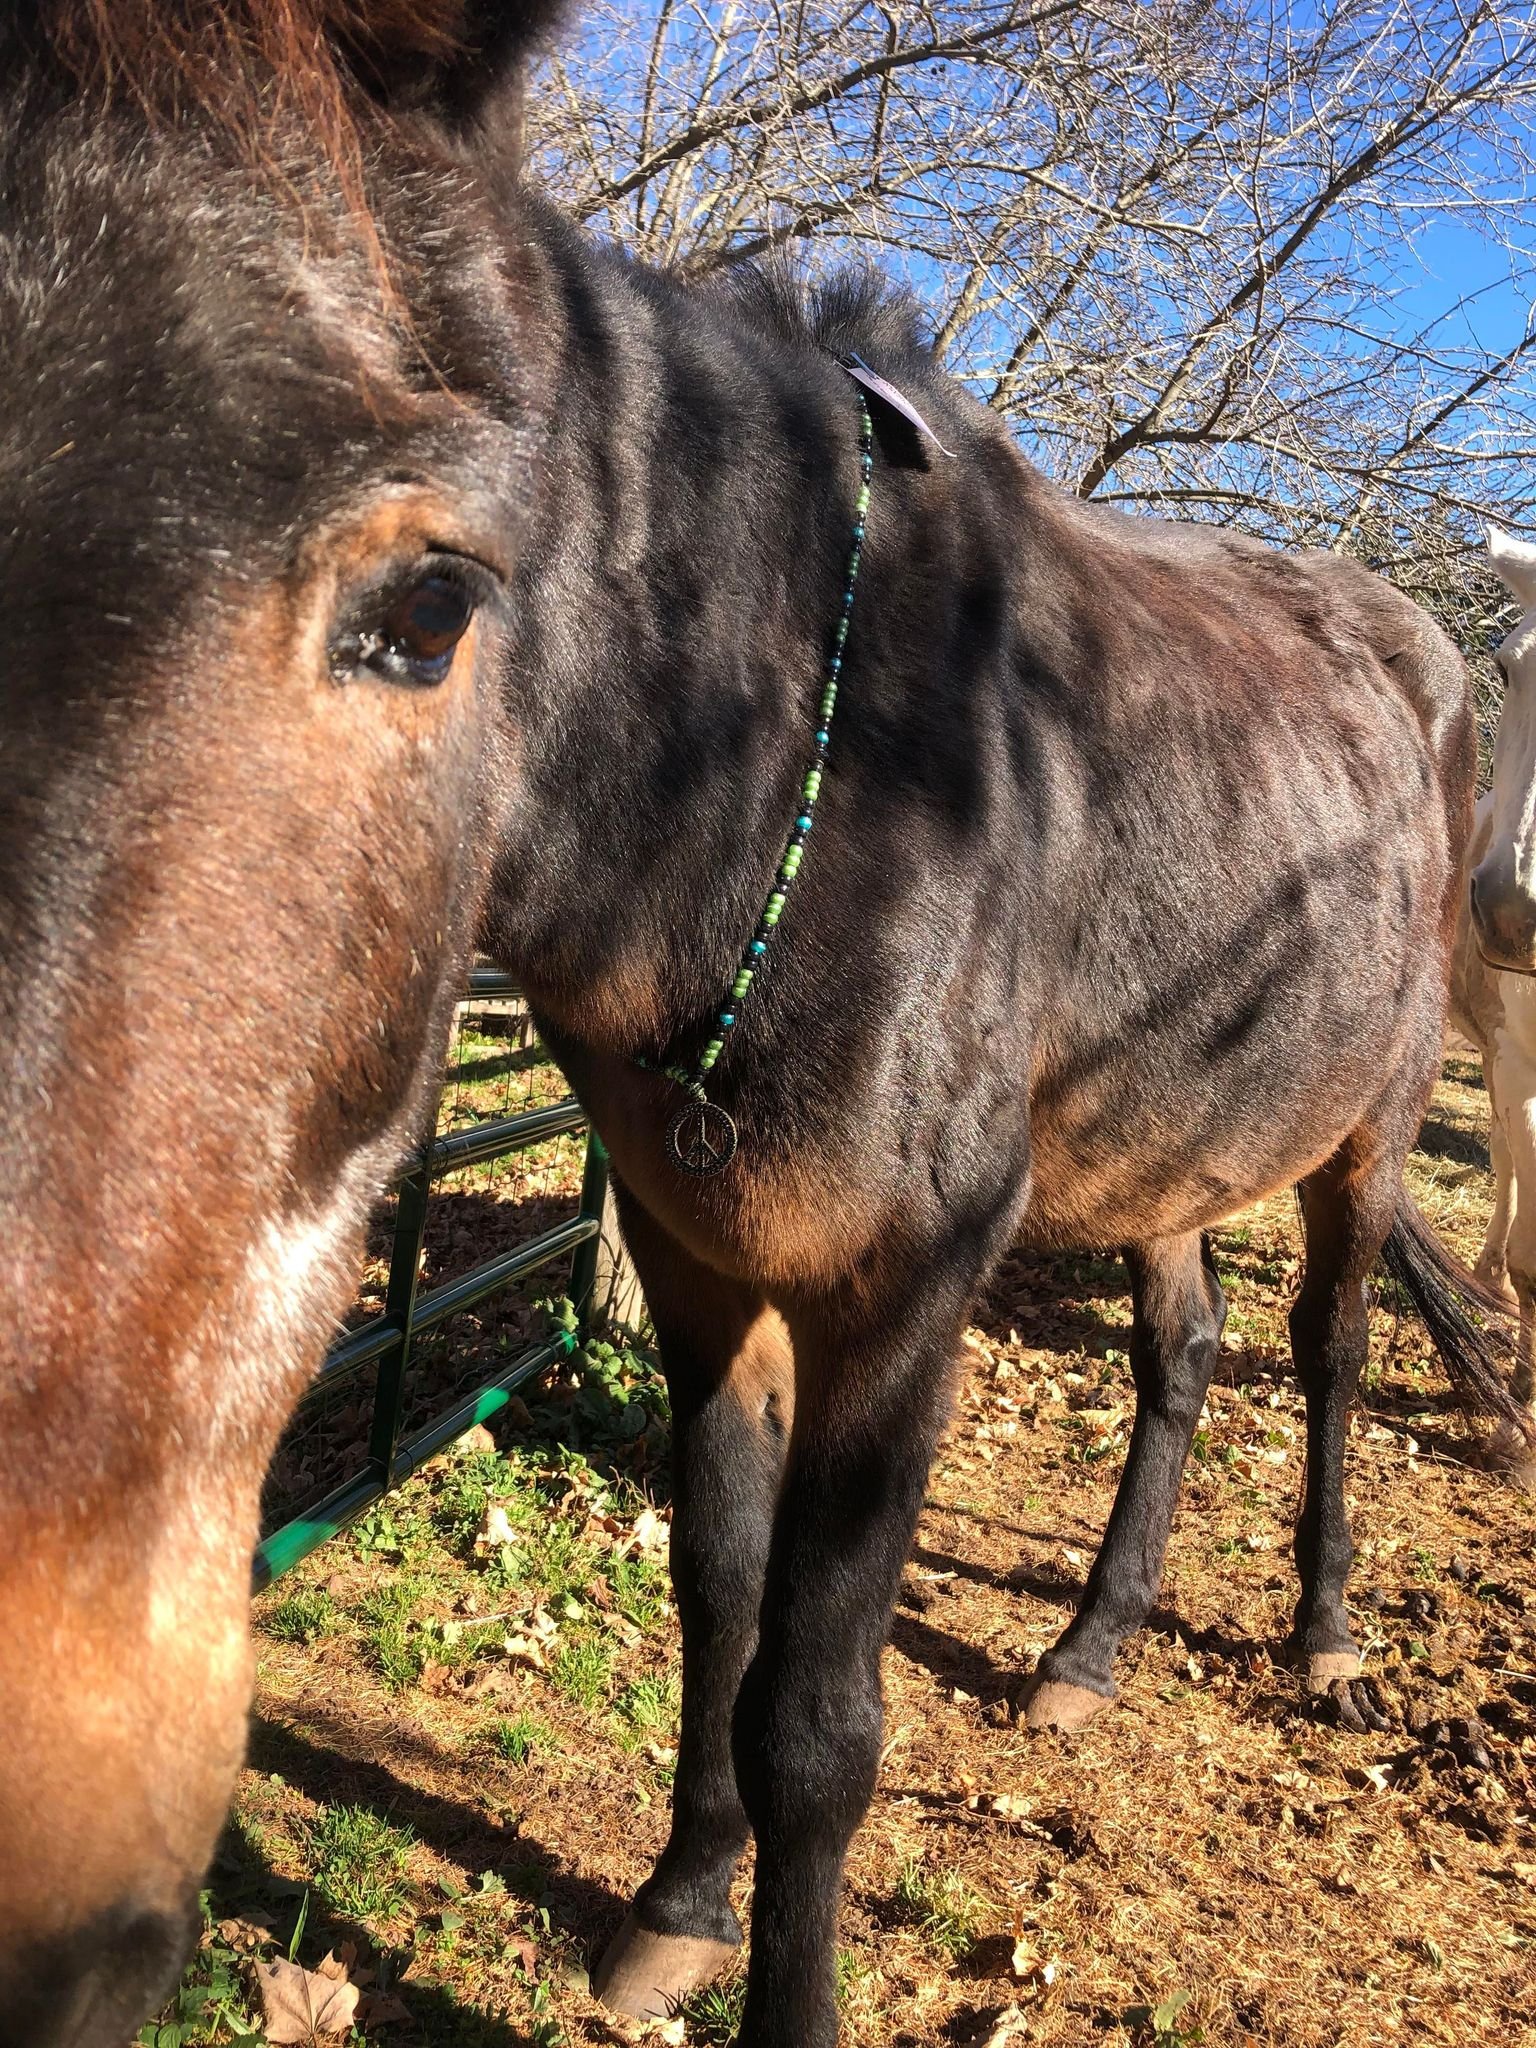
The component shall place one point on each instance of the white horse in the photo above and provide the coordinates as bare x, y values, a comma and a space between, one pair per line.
1493, 973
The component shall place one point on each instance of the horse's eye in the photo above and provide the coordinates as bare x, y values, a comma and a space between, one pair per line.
415, 639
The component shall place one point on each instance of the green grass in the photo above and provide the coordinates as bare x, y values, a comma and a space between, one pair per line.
713, 2015
650, 1704
642, 1590
360, 1863
942, 1906
301, 1617
522, 1738
394, 1642
583, 1671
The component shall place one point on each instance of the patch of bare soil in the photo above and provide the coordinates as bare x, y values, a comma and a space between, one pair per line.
478, 1691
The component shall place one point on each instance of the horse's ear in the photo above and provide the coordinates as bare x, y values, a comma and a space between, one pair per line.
461, 60
1515, 561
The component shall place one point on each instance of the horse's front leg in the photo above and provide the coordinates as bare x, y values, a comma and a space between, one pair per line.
873, 1367
729, 1376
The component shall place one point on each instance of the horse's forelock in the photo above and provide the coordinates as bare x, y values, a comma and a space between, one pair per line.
159, 50
247, 68
239, 61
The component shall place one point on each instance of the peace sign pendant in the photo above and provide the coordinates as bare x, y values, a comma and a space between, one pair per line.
701, 1138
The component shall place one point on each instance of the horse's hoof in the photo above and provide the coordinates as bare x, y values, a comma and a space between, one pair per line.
1052, 1703
647, 1976
1329, 1665
1497, 1284
1510, 1455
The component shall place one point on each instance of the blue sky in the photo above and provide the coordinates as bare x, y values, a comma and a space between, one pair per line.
1454, 264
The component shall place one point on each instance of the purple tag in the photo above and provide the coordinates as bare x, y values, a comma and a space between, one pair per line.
861, 373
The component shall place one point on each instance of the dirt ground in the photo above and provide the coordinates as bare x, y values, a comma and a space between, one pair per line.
466, 1711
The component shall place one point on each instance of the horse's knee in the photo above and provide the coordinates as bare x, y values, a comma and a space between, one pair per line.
806, 1756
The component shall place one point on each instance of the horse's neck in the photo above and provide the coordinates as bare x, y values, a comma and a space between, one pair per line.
680, 585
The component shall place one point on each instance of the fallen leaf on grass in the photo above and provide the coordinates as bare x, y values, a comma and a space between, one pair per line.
382, 2009
999, 1805
496, 1530
301, 2004
1008, 2027
246, 1934
649, 1533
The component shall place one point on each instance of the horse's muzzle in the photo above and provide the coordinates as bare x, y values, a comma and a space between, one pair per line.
1503, 919
94, 1988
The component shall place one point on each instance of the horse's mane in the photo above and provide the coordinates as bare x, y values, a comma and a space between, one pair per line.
855, 307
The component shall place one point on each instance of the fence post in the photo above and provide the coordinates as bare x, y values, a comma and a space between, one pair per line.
594, 1194
399, 1308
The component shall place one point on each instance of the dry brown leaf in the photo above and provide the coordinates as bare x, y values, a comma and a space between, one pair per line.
301, 2005
381, 2009
246, 1934
1009, 2026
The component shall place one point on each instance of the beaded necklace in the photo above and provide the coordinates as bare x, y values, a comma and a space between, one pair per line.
701, 1138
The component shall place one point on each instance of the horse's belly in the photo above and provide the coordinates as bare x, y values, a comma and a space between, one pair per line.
1175, 1125
1170, 1178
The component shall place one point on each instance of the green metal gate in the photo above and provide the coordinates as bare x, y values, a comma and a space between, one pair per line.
388, 1340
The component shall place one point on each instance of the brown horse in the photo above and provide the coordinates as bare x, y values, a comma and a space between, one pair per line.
380, 566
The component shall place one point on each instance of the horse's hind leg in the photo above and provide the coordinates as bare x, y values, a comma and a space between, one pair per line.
1493, 1261
729, 1375
1347, 1209
1179, 1311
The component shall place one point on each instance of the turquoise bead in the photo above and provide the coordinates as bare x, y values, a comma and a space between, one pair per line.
758, 946
803, 822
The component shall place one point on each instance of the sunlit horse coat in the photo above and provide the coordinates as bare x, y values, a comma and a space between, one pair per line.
1493, 987
382, 566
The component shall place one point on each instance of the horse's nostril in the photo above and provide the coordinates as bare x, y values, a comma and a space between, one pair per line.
96, 1986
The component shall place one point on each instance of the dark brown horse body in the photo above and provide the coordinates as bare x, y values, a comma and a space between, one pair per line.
345, 618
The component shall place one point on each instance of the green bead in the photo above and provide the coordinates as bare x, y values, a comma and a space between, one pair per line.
791, 866
710, 1054
862, 501
742, 983
812, 786
775, 908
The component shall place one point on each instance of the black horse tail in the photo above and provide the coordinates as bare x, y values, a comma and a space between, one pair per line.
1440, 1286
